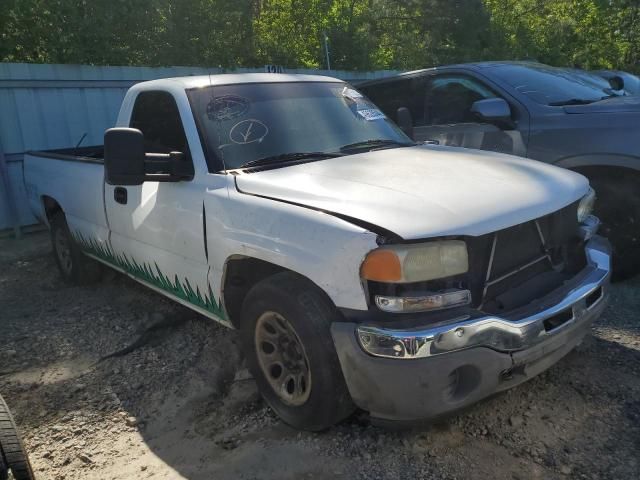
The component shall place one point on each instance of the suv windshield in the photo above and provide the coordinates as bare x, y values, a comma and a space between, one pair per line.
283, 122
554, 86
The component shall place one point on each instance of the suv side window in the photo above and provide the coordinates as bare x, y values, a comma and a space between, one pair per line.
156, 115
450, 97
406, 92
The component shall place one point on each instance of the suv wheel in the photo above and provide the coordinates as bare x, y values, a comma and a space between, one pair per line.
618, 208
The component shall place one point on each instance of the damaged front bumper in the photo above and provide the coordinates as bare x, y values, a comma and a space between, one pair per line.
423, 372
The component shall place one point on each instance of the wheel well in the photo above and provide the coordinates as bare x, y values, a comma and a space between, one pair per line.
241, 274
610, 183
51, 207
597, 172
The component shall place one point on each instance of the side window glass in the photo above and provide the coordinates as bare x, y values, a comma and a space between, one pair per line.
409, 93
156, 115
450, 98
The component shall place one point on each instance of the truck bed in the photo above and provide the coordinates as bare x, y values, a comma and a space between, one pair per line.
92, 154
72, 178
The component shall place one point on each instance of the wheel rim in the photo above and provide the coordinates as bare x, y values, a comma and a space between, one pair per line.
63, 251
282, 358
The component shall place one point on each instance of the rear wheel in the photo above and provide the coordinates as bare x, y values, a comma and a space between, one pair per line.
618, 207
286, 336
74, 265
11, 448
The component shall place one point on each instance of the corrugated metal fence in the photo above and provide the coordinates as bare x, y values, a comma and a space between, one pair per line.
52, 106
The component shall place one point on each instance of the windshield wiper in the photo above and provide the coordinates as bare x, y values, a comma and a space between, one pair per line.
582, 101
289, 157
376, 142
572, 101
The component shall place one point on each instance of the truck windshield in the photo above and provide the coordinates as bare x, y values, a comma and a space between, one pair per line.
554, 86
279, 123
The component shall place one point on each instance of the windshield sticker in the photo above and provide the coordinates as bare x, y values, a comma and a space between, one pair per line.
371, 114
227, 107
351, 94
248, 131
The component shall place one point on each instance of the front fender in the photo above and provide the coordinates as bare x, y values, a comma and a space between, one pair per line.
325, 249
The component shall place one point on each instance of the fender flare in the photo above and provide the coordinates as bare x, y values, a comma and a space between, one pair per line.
49, 206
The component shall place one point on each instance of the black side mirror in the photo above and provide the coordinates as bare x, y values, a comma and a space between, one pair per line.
404, 121
616, 82
124, 156
492, 110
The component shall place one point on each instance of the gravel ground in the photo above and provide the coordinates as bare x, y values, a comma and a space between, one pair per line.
177, 403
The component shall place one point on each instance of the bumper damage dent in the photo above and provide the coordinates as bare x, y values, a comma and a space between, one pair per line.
425, 372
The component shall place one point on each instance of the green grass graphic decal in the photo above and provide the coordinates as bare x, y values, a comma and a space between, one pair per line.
182, 290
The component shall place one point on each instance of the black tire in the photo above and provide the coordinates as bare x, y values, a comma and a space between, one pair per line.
618, 208
11, 448
75, 266
4, 470
310, 313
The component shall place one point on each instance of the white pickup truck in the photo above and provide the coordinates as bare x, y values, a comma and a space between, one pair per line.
361, 269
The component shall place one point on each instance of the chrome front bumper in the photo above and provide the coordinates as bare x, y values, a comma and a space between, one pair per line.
522, 329
422, 373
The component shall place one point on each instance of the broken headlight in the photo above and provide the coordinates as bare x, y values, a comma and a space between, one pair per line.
585, 207
419, 262
423, 262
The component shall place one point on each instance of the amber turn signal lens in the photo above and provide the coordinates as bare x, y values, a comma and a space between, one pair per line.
381, 266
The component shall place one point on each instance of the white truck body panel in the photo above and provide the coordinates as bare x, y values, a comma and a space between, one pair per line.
77, 186
319, 246
425, 191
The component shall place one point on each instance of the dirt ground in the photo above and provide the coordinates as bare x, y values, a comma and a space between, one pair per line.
113, 381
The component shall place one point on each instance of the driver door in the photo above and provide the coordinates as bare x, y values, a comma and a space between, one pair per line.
157, 227
448, 119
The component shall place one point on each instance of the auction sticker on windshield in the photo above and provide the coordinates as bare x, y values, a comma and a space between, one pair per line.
371, 114
362, 106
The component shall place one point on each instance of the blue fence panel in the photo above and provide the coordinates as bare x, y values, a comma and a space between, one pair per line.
45, 107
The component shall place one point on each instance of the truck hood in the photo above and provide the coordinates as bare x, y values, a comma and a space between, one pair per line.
425, 191
611, 105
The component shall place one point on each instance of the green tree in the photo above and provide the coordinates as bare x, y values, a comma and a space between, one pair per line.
362, 34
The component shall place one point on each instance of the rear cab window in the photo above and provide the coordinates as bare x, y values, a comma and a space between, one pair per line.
156, 115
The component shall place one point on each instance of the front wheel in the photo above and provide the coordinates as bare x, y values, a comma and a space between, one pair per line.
286, 336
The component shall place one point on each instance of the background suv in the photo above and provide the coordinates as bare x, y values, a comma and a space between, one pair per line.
570, 118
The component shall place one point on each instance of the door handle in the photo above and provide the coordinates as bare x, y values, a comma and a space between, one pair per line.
120, 195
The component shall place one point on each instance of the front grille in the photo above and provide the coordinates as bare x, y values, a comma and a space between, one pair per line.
512, 267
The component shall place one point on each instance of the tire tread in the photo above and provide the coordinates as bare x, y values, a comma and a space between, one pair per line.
11, 447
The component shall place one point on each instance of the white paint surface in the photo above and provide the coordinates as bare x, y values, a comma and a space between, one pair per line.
425, 191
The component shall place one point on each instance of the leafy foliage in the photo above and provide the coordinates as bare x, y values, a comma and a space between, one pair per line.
362, 34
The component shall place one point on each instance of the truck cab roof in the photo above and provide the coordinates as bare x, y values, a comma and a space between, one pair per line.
199, 81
